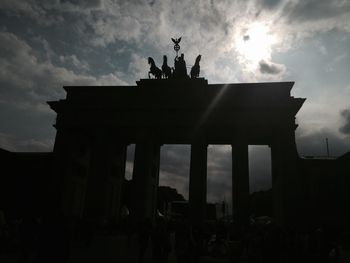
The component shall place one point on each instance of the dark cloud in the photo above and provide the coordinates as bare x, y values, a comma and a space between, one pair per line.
83, 3
315, 9
270, 68
38, 11
219, 173
34, 79
246, 37
26, 83
346, 127
130, 153
11, 142
260, 168
219, 190
175, 160
175, 166
314, 144
151, 2
270, 3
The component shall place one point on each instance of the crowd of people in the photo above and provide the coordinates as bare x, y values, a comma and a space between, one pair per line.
48, 238
255, 243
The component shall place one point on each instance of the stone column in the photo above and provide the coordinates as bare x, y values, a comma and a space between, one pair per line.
100, 171
145, 181
277, 157
240, 184
114, 183
286, 186
70, 164
198, 183
59, 166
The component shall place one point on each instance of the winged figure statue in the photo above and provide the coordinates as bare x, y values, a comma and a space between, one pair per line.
176, 40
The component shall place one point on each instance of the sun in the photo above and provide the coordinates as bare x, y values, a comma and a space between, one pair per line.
254, 43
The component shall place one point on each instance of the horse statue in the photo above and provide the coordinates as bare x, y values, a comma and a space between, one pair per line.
165, 68
154, 70
196, 68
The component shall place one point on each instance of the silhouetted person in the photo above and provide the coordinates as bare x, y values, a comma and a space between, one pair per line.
144, 234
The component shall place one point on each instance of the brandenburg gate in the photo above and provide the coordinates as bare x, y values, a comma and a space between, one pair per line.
95, 124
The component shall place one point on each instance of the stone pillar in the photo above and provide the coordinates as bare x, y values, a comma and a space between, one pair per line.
145, 181
240, 184
59, 166
198, 183
105, 179
286, 186
114, 183
69, 172
99, 169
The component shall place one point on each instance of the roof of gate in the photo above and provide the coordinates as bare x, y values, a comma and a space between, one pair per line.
178, 110
197, 93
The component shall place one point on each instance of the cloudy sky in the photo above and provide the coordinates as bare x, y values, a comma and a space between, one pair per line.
46, 44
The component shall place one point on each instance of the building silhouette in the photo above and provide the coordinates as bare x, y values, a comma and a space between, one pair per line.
84, 175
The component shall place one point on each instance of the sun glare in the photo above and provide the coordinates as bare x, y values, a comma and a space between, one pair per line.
255, 43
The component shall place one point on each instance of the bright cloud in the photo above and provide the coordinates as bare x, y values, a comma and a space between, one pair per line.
254, 44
